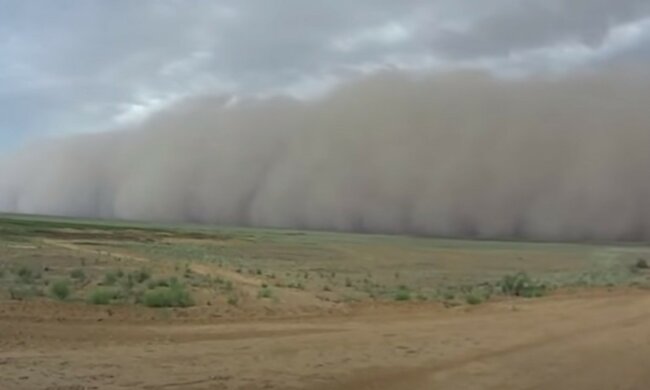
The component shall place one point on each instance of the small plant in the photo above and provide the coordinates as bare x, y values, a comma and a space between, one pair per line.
402, 295
449, 295
78, 274
60, 290
474, 298
348, 282
641, 264
173, 296
110, 278
265, 292
521, 285
20, 293
233, 300
26, 275
258, 271
141, 275
102, 296
327, 288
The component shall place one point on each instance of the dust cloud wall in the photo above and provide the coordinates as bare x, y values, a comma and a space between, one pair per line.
458, 154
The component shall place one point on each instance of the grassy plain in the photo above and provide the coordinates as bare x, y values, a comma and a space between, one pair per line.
240, 308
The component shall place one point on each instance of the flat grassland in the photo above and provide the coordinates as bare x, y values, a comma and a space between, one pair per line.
114, 305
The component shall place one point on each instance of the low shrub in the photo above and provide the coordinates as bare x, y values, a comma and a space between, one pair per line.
474, 298
522, 285
141, 275
265, 292
402, 295
77, 274
172, 296
110, 278
102, 296
20, 293
60, 290
26, 274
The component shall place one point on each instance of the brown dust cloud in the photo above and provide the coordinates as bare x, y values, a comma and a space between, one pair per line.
460, 154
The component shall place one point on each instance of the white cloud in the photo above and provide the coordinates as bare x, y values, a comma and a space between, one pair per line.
100, 63
387, 34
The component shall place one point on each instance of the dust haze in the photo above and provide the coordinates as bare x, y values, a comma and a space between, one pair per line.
459, 154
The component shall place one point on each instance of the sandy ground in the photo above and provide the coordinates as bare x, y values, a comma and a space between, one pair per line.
596, 340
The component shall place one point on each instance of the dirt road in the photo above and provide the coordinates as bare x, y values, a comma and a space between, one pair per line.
599, 340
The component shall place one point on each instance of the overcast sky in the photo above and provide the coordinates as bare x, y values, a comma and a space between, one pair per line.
71, 66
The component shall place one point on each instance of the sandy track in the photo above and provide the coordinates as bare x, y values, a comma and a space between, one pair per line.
596, 341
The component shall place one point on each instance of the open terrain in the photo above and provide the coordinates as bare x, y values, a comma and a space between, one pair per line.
115, 305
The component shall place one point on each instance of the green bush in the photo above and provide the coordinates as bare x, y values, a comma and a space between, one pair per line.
20, 293
77, 274
26, 274
141, 275
474, 298
60, 290
110, 278
449, 295
642, 264
173, 296
402, 295
102, 296
521, 285
265, 292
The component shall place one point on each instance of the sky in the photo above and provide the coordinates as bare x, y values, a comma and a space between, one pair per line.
72, 66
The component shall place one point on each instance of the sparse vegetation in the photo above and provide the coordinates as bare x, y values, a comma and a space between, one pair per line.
522, 285
60, 289
78, 274
264, 292
474, 298
172, 296
24, 292
102, 296
162, 282
141, 275
402, 294
26, 275
273, 260
110, 278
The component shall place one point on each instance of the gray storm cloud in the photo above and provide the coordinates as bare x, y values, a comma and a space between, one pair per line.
459, 154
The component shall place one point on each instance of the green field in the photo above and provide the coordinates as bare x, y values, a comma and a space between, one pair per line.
126, 262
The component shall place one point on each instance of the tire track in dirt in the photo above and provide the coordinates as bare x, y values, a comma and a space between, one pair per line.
393, 378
